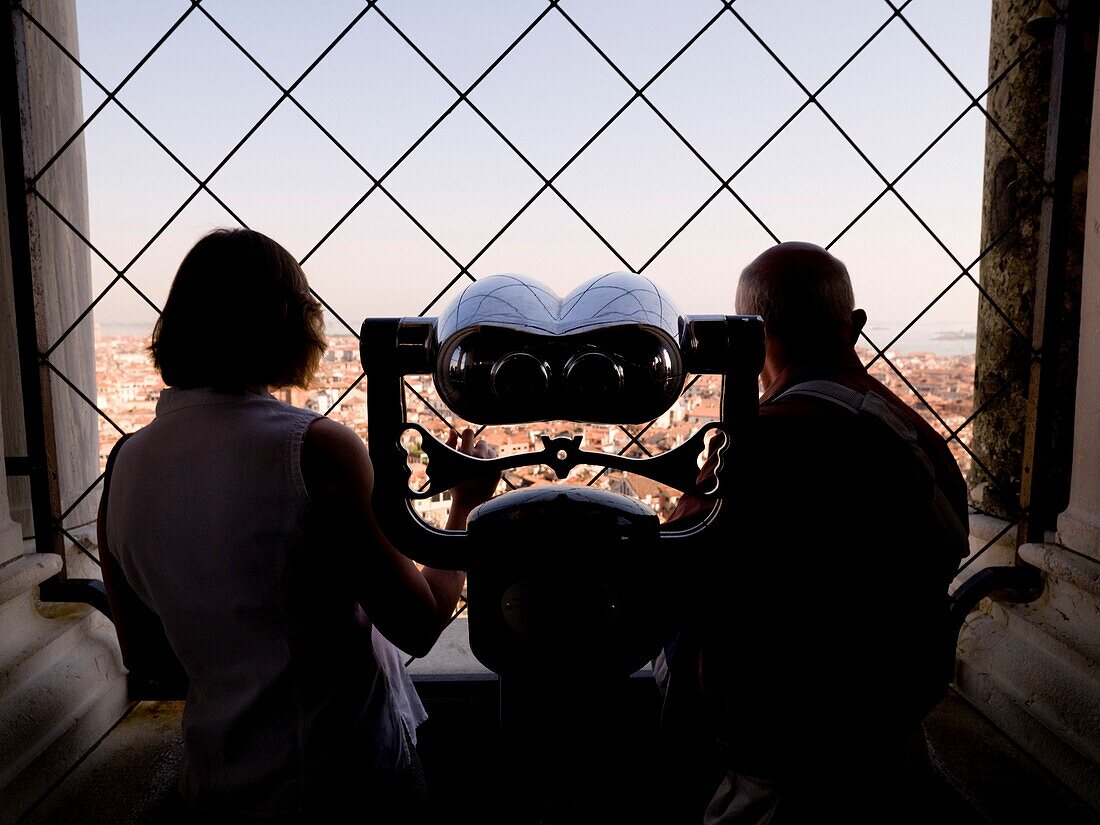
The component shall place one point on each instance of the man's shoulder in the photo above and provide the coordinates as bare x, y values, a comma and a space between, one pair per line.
834, 442
804, 429
816, 399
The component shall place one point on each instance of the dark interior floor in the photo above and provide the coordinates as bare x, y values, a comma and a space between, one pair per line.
978, 776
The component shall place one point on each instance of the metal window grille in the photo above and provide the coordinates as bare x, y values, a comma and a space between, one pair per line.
41, 369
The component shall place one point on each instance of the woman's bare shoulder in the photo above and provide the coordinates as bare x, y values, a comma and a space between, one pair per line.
326, 432
332, 451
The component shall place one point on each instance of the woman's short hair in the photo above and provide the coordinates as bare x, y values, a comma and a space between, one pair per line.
239, 314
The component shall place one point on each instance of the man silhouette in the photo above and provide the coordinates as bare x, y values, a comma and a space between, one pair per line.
818, 646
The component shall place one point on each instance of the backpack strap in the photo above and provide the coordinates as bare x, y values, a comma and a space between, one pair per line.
872, 405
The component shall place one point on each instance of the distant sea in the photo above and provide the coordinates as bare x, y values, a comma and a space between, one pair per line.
939, 337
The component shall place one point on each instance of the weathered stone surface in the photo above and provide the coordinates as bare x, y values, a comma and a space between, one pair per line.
988, 770
129, 777
25, 573
1069, 609
51, 722
1035, 691
1033, 668
61, 683
1001, 550
1011, 230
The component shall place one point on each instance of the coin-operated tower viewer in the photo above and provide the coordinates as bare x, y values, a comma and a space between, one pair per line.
564, 581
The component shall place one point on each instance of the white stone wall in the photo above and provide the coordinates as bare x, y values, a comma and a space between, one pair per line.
64, 265
62, 685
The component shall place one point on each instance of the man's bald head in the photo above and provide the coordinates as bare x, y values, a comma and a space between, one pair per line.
803, 294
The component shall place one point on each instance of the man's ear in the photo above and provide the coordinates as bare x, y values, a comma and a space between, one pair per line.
859, 321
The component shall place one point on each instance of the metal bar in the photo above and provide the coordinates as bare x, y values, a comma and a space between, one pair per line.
428, 404
985, 547
42, 199
859, 151
992, 85
354, 332
1050, 271
17, 465
811, 99
547, 182
641, 446
376, 182
83, 396
947, 427
1035, 172
112, 99
112, 94
79, 545
82, 496
463, 273
345, 394
29, 301
985, 405
966, 273
889, 186
634, 439
1003, 584
640, 93
202, 185
79, 318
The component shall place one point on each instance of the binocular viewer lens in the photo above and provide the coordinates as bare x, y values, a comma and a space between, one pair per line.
612, 375
519, 375
593, 373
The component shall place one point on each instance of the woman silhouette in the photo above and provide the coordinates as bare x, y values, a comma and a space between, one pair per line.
244, 524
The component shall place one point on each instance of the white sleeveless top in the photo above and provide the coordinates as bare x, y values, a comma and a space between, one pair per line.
209, 519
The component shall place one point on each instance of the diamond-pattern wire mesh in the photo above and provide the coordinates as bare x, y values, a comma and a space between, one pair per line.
377, 180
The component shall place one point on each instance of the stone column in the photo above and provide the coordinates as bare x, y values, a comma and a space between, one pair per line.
64, 266
1079, 525
1034, 669
1012, 187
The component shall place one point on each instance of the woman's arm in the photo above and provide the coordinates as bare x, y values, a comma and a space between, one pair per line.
410, 607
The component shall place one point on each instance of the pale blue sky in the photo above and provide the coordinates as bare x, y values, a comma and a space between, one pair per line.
636, 184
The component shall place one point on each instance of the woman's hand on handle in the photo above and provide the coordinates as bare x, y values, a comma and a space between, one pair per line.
469, 494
